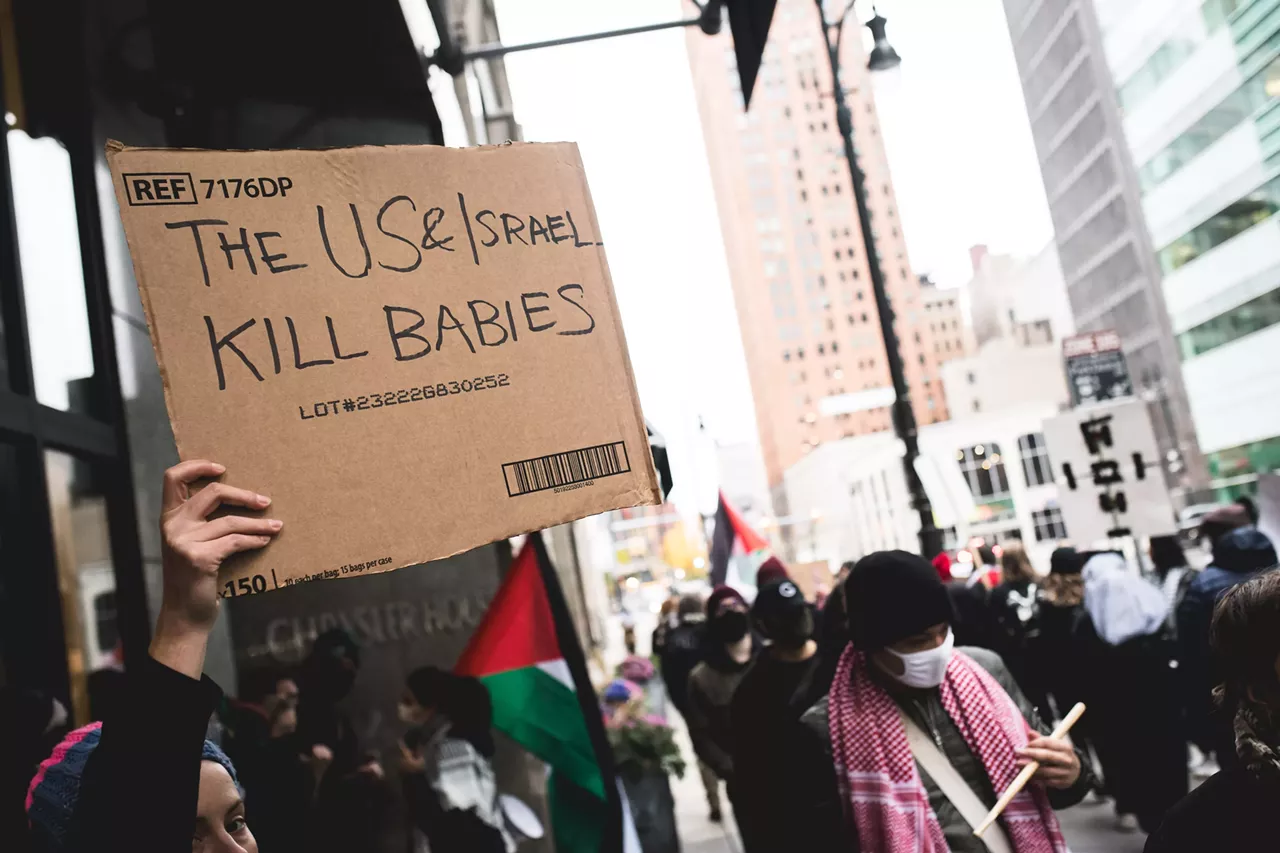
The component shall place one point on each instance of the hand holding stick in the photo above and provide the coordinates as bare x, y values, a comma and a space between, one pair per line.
1024, 777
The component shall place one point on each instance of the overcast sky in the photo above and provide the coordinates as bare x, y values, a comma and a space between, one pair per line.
959, 148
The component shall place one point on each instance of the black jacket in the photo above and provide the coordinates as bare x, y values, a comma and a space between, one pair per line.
1237, 556
684, 649
1233, 812
762, 711
141, 785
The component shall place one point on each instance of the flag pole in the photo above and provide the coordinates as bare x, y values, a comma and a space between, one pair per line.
571, 648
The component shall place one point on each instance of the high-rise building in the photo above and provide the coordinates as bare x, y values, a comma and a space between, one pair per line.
1108, 261
799, 273
1198, 83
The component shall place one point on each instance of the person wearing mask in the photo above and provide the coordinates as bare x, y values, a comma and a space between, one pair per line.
1015, 617
1136, 718
832, 637
449, 785
917, 738
1235, 809
730, 650
146, 778
1240, 551
969, 604
763, 708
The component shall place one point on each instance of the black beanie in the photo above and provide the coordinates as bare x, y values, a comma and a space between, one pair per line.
892, 595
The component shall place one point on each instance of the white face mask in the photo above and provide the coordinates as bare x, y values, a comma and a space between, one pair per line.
926, 669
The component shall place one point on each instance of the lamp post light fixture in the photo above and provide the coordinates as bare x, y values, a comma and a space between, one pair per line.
882, 58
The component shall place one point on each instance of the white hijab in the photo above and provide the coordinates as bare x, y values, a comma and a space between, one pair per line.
1121, 604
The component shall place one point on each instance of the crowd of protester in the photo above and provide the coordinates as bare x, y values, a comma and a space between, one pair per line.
146, 777
817, 724
890, 720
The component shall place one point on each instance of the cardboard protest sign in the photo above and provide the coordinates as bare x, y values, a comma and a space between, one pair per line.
413, 350
1109, 473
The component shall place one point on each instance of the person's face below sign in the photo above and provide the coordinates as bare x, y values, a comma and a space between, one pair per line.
411, 713
220, 822
919, 660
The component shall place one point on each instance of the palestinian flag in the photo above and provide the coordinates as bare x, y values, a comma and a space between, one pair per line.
527, 654
733, 539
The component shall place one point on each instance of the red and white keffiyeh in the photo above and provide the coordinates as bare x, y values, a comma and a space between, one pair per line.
881, 788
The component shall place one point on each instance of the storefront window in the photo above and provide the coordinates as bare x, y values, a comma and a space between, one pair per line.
52, 275
86, 581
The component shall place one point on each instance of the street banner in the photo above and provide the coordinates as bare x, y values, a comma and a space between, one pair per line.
1096, 369
527, 655
414, 350
1109, 473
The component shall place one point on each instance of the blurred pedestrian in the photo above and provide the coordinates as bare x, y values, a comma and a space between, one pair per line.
352, 795
668, 619
1236, 808
764, 707
971, 620
986, 568
860, 782
1015, 617
685, 648
145, 778
449, 786
1240, 551
1136, 717
832, 637
729, 651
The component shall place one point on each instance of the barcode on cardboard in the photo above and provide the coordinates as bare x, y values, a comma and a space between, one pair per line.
565, 469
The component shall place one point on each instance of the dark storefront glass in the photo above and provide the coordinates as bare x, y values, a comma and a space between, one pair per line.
86, 581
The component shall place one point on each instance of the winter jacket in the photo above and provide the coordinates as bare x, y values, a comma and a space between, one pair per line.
815, 806
761, 712
1234, 810
711, 687
140, 787
1237, 556
684, 649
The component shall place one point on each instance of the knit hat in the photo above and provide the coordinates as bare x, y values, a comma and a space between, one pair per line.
893, 595
718, 597
778, 602
52, 795
942, 565
771, 571
1065, 561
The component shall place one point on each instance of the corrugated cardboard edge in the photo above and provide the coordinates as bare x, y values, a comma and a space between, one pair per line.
114, 148
653, 495
650, 497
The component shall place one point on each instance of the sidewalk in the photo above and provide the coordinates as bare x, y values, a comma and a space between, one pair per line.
697, 833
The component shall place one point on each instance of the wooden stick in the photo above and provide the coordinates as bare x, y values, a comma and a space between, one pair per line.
1027, 772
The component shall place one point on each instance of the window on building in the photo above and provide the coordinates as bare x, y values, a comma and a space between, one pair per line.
983, 469
1235, 108
1035, 459
972, 379
1252, 316
1048, 524
1235, 218
977, 405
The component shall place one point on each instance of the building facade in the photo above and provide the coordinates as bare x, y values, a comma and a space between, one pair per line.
1198, 82
857, 491
1107, 258
801, 285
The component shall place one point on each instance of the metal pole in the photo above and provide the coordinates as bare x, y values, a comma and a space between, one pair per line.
904, 419
493, 51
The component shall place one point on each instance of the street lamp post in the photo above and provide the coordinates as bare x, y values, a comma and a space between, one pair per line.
882, 58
